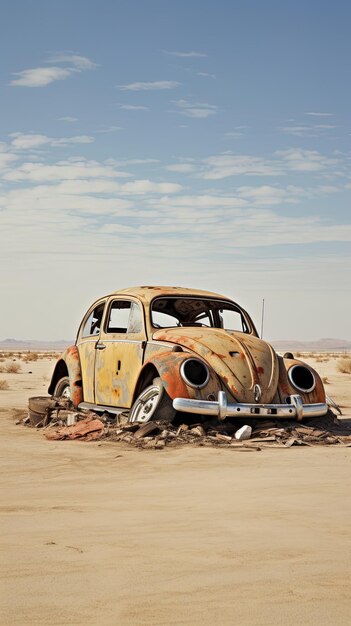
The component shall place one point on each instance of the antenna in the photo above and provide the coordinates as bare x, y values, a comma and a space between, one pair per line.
262, 318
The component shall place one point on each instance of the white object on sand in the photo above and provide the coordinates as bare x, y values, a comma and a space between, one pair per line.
243, 433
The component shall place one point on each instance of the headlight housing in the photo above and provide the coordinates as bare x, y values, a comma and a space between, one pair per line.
195, 373
302, 378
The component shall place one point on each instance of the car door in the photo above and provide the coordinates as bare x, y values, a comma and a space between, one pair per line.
119, 353
87, 340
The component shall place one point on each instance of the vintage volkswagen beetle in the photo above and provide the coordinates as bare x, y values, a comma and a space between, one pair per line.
159, 350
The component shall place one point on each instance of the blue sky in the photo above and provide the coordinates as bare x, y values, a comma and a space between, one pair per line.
156, 142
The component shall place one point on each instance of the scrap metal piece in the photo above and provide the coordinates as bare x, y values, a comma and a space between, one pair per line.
332, 404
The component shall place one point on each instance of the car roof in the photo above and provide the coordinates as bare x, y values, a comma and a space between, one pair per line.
147, 293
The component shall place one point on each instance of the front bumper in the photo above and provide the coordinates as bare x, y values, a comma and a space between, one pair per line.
294, 410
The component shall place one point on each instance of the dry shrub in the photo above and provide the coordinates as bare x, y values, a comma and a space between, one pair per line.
344, 365
4, 385
325, 380
12, 368
30, 356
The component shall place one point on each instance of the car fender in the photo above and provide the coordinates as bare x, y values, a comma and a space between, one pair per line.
167, 365
69, 365
286, 388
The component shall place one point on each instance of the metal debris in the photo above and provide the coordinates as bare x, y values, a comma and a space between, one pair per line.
59, 421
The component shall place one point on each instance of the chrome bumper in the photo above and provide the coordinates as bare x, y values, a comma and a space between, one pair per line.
295, 410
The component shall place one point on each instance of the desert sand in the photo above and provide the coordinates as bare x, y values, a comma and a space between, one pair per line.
99, 534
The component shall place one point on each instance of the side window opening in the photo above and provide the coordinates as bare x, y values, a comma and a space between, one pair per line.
232, 320
124, 317
93, 323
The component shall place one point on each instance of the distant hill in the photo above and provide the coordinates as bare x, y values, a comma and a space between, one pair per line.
34, 344
281, 345
319, 345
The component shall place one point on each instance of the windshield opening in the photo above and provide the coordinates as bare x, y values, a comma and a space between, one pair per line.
173, 311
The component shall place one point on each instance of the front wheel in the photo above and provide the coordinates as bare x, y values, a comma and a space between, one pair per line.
152, 403
63, 389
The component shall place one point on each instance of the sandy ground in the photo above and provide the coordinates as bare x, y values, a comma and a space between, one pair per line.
97, 534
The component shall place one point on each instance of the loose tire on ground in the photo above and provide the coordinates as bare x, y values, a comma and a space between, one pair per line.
39, 407
40, 404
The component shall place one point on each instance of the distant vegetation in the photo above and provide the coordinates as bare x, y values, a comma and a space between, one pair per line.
10, 368
344, 365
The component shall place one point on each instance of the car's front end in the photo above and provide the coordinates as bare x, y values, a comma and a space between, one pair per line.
233, 374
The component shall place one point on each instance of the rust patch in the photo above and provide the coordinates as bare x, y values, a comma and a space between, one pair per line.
287, 389
72, 360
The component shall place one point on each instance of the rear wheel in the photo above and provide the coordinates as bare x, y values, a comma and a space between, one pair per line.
62, 389
152, 403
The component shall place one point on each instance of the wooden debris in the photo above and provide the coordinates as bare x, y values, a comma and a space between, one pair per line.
55, 415
146, 429
198, 431
87, 429
221, 437
182, 428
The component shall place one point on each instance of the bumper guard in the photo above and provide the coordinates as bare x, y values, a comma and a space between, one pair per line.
294, 410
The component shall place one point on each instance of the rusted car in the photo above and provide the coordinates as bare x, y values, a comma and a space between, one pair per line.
156, 351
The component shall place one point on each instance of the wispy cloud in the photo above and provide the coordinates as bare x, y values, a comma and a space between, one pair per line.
236, 133
225, 165
316, 114
206, 75
195, 109
31, 141
109, 129
150, 86
42, 76
75, 60
282, 162
133, 107
306, 130
204, 201
116, 163
269, 195
186, 55
69, 169
6, 156
305, 160
68, 118
182, 168
65, 141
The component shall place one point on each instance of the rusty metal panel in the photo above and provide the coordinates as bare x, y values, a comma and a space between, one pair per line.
117, 368
168, 366
72, 360
286, 388
87, 354
241, 361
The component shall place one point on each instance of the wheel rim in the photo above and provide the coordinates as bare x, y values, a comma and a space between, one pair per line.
66, 393
145, 406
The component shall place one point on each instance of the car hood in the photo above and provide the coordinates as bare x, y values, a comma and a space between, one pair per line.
240, 360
